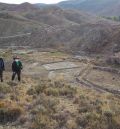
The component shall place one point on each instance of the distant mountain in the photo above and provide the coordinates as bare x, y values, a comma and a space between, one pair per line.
54, 27
99, 7
70, 3
4, 6
41, 5
24, 7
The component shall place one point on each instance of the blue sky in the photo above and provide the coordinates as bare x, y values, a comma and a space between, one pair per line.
31, 1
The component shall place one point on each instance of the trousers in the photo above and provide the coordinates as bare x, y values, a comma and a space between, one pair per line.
18, 73
1, 75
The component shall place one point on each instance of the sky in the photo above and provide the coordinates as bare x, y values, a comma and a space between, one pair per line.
31, 1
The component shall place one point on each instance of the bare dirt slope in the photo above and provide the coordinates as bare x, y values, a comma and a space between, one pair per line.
58, 28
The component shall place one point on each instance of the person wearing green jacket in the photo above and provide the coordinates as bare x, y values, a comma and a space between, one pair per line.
16, 68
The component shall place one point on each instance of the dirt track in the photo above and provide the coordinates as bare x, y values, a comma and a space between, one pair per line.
79, 74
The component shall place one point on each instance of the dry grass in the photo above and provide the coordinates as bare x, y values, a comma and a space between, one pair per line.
85, 108
4, 88
50, 88
56, 104
9, 112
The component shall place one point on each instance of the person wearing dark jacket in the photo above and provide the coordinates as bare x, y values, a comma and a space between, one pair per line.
2, 68
16, 68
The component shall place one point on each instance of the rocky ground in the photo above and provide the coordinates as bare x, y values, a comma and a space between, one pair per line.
59, 91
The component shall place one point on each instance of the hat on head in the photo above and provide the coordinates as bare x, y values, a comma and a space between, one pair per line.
16, 57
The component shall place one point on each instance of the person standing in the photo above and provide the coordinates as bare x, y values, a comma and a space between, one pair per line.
2, 68
16, 68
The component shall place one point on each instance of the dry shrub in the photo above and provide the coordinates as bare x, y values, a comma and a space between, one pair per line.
42, 112
91, 120
40, 89
82, 121
61, 118
12, 84
71, 124
94, 113
9, 112
56, 88
52, 91
9, 115
31, 91
4, 88
43, 121
65, 91
89, 113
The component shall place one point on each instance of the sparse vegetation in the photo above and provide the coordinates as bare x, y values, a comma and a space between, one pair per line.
53, 89
91, 112
4, 88
59, 98
41, 103
8, 113
30, 26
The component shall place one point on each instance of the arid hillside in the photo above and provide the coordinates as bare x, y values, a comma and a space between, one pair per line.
71, 69
53, 27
